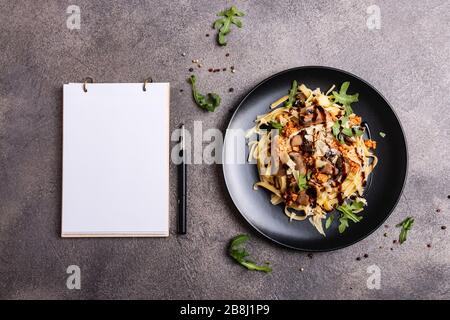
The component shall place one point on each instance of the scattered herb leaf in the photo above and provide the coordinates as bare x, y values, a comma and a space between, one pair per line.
382, 134
222, 25
348, 212
359, 132
339, 130
276, 125
406, 225
292, 93
336, 129
238, 253
348, 132
344, 120
329, 221
356, 205
345, 99
302, 182
236, 22
348, 110
209, 103
343, 224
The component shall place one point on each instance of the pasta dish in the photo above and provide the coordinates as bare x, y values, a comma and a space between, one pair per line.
314, 155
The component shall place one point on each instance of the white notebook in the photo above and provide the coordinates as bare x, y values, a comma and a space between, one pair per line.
115, 160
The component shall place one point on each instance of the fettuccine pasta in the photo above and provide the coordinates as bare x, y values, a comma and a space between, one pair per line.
313, 155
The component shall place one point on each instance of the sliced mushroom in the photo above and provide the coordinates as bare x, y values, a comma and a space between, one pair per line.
299, 162
306, 115
327, 169
281, 170
303, 198
307, 146
320, 163
296, 141
313, 115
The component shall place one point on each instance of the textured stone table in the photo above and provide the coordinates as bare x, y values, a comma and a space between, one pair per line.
126, 41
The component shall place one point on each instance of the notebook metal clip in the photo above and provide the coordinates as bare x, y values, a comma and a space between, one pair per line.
148, 80
86, 80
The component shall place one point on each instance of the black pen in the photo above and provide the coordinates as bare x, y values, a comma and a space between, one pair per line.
182, 184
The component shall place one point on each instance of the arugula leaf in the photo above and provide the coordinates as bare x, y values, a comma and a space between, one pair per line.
219, 23
302, 182
229, 16
343, 98
343, 224
336, 129
221, 39
272, 125
356, 205
344, 120
225, 28
276, 125
348, 213
406, 225
348, 132
233, 11
236, 12
209, 103
348, 110
292, 93
238, 240
238, 253
250, 265
329, 221
359, 132
236, 22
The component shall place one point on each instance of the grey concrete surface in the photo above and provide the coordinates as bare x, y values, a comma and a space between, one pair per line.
126, 41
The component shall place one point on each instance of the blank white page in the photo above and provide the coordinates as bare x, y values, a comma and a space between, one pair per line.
115, 160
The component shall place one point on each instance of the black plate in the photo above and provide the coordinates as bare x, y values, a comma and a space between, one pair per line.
387, 180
